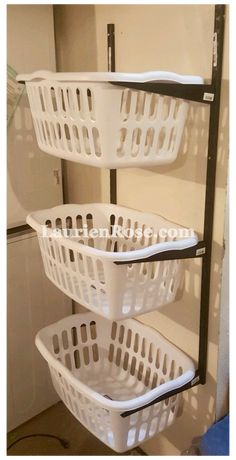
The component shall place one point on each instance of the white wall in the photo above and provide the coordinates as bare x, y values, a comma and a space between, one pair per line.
222, 397
176, 38
31, 183
30, 37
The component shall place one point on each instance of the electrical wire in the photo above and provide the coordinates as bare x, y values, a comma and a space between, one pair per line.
62, 441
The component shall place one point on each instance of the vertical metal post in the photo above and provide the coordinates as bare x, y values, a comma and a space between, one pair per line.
218, 41
210, 187
111, 68
111, 60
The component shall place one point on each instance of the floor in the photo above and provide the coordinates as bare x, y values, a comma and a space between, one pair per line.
57, 421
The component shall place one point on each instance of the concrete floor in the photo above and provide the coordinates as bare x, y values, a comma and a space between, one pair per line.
58, 421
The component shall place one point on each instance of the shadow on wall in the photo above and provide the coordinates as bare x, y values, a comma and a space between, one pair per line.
198, 411
31, 172
199, 407
29, 169
186, 310
190, 164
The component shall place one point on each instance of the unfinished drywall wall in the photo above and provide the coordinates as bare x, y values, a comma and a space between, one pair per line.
176, 38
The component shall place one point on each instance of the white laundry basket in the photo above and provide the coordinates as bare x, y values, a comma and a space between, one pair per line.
102, 369
84, 268
84, 118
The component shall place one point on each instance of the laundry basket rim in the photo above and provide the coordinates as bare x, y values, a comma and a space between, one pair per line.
103, 77
136, 254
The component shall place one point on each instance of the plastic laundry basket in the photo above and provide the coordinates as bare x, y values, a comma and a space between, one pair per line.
84, 118
102, 370
84, 267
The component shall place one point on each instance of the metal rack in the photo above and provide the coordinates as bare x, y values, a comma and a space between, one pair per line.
206, 94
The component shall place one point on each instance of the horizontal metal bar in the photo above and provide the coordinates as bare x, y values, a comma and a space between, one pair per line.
199, 93
199, 250
195, 381
18, 229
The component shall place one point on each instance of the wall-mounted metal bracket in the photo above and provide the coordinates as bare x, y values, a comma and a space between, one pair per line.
195, 381
199, 250
196, 93
206, 94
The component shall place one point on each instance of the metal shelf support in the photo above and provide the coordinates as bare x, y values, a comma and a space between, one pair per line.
111, 64
191, 92
206, 94
217, 62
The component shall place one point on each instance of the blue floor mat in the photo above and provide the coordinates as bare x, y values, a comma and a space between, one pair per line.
216, 439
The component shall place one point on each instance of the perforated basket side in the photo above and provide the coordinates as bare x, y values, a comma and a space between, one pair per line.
104, 125
84, 267
75, 338
154, 350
